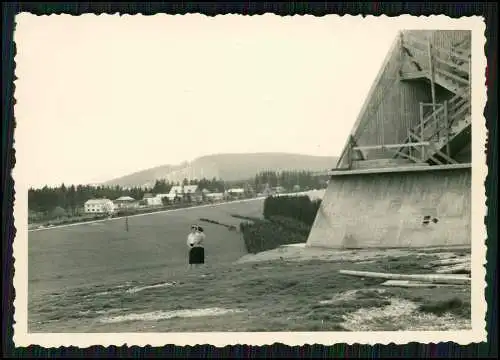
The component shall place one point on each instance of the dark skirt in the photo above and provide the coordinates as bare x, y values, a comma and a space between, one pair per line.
197, 255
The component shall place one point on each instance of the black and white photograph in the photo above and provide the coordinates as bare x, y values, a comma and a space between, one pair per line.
273, 178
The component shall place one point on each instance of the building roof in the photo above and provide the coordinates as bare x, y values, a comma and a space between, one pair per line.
215, 194
236, 190
97, 201
183, 189
125, 198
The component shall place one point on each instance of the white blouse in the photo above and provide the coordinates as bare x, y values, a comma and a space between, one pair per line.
195, 239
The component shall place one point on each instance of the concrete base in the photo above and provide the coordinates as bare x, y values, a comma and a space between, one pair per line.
397, 208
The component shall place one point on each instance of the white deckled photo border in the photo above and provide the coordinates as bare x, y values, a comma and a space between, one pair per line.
478, 253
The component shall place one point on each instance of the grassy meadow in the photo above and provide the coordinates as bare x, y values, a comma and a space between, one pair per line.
97, 277
88, 255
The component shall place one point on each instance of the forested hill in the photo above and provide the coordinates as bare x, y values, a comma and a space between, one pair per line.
230, 167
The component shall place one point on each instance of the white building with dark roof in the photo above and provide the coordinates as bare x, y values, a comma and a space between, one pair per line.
99, 206
126, 202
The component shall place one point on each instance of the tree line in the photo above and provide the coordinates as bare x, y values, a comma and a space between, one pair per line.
72, 198
290, 180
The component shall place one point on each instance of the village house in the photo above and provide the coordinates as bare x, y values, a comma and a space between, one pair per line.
153, 201
212, 197
185, 193
99, 206
236, 193
126, 202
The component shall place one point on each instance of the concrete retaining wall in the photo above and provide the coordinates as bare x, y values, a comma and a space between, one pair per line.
395, 209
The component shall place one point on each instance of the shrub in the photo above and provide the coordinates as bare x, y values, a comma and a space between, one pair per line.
287, 220
300, 208
264, 235
291, 224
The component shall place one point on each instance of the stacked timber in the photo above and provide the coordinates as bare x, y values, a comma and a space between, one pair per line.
459, 265
447, 272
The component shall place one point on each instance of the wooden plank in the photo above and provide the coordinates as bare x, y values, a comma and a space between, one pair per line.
422, 152
453, 76
422, 127
451, 261
412, 38
434, 278
433, 87
436, 160
447, 126
408, 156
354, 145
416, 75
455, 66
412, 284
431, 104
443, 155
461, 110
349, 153
390, 146
435, 149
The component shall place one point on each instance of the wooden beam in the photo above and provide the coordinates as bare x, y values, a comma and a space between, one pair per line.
413, 284
349, 153
454, 77
443, 155
390, 146
436, 160
411, 38
409, 157
455, 66
421, 126
447, 128
431, 104
354, 145
434, 278
436, 150
433, 85
408, 139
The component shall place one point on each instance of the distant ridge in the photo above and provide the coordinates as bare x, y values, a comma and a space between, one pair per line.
229, 167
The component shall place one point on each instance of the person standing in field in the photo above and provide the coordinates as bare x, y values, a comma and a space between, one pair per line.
195, 244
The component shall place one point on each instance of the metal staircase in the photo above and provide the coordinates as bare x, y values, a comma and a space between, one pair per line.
442, 131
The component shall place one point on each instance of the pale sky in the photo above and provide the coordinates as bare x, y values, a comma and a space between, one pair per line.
102, 96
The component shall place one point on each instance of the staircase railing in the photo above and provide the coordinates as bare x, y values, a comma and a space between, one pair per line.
437, 124
455, 57
452, 63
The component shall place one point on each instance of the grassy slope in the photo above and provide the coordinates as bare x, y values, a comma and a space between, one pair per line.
70, 268
105, 253
277, 296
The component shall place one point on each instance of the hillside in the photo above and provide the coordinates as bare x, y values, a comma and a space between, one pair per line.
229, 167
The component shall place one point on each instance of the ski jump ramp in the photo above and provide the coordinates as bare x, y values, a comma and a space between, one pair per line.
395, 207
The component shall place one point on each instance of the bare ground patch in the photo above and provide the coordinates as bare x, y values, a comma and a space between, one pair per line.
401, 315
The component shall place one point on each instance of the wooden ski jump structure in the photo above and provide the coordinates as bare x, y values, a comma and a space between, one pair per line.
408, 157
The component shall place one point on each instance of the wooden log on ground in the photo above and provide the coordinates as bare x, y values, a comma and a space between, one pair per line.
452, 261
455, 269
410, 284
434, 278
